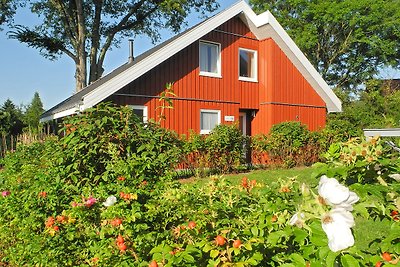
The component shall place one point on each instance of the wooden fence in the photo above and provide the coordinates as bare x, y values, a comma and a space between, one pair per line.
10, 142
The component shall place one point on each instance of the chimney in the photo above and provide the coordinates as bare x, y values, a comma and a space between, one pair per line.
130, 60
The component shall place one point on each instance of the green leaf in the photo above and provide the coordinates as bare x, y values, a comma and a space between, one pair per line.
331, 259
349, 261
214, 253
254, 231
298, 259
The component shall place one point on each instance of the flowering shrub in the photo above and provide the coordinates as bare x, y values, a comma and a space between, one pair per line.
127, 213
106, 142
337, 220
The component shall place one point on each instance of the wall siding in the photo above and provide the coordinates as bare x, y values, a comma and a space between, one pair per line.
278, 82
285, 95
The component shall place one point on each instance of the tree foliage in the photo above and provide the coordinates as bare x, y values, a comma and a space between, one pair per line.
377, 107
347, 41
86, 30
10, 119
33, 112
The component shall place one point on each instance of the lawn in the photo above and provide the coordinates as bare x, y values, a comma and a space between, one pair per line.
302, 174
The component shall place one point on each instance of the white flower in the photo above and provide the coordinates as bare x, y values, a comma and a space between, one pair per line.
111, 200
335, 194
337, 224
395, 176
297, 219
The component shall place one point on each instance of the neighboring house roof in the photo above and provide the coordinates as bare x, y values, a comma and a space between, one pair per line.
263, 26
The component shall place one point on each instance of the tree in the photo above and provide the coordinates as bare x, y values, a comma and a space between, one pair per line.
86, 30
33, 112
7, 10
347, 41
10, 119
377, 107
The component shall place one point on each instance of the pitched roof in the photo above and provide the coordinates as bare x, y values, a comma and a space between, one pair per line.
263, 26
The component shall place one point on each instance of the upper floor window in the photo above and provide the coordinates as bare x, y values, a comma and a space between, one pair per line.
140, 111
208, 120
247, 65
210, 59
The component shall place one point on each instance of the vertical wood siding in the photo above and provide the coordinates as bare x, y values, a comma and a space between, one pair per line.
285, 92
195, 92
278, 82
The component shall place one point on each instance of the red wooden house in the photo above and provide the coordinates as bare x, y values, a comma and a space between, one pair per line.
234, 67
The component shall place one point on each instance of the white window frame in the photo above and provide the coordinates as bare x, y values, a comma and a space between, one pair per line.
254, 66
206, 73
218, 112
143, 108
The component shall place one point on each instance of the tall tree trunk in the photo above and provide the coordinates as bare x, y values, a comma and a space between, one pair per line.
81, 72
95, 68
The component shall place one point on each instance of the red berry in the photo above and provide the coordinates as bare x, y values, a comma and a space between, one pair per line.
121, 246
61, 219
386, 256
395, 215
116, 222
50, 221
56, 228
120, 239
219, 240
237, 243
42, 194
121, 178
378, 264
274, 218
244, 182
153, 263
192, 225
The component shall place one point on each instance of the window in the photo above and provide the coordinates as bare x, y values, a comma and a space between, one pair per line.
208, 120
247, 65
140, 111
210, 59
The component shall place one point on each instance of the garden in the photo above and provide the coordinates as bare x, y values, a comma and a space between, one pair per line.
107, 193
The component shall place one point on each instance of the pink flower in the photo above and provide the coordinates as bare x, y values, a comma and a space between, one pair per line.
90, 202
5, 193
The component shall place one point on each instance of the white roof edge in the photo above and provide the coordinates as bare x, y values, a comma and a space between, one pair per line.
60, 114
260, 21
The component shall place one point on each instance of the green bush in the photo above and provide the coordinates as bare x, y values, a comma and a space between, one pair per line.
222, 151
106, 142
292, 144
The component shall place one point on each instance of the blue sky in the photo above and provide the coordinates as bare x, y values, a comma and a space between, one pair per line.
23, 70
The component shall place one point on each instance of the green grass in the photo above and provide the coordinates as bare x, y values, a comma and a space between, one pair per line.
303, 174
